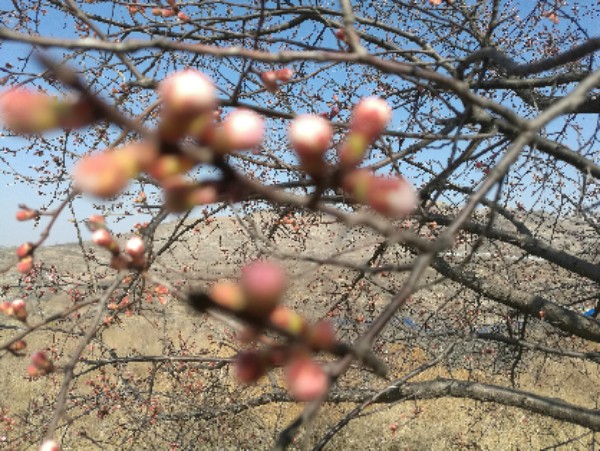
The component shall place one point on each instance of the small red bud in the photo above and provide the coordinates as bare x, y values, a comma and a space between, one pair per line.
263, 283
284, 75
6, 308
19, 309
229, 296
49, 445
305, 379
269, 79
25, 264
18, 345
24, 250
26, 214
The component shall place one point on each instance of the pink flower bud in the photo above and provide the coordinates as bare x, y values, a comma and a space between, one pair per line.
49, 445
356, 183
25, 264
183, 17
229, 296
311, 137
263, 284
24, 111
169, 165
19, 309
18, 346
102, 174
24, 250
341, 35
26, 214
135, 247
284, 75
156, 11
6, 308
243, 129
42, 362
392, 196
371, 117
269, 79
288, 321
103, 238
188, 93
305, 379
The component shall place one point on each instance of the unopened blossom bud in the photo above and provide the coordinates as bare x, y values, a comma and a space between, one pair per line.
310, 136
392, 196
305, 379
371, 117
187, 94
284, 75
103, 174
242, 129
183, 16
269, 80
25, 214
103, 238
354, 149
49, 445
156, 12
25, 264
228, 295
18, 346
25, 111
6, 308
24, 250
40, 360
19, 309
263, 283
288, 321
135, 246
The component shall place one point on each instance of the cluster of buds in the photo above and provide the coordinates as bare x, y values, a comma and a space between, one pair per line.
135, 249
174, 10
40, 365
272, 78
392, 196
25, 256
256, 298
25, 111
15, 308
